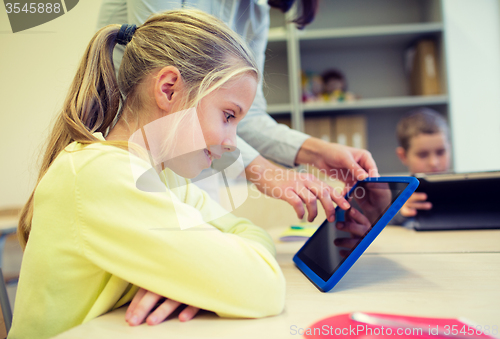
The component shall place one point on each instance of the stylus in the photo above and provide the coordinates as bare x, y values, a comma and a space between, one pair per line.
380, 321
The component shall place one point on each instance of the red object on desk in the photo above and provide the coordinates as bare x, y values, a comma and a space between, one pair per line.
377, 325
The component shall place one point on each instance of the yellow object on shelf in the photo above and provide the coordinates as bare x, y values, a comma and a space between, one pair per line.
299, 232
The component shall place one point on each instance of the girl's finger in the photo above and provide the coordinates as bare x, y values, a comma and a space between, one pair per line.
188, 313
162, 312
137, 298
144, 307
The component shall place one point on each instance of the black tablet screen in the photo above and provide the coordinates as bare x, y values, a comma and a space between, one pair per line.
372, 199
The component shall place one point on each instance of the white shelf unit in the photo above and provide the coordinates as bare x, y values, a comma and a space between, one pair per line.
373, 103
366, 40
389, 32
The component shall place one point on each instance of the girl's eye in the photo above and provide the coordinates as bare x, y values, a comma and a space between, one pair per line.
228, 116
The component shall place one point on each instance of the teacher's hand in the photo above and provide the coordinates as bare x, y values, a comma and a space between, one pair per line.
344, 163
295, 188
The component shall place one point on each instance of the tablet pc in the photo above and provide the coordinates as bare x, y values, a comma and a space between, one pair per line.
460, 201
378, 199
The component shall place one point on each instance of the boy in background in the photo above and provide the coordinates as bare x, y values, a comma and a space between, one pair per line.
424, 147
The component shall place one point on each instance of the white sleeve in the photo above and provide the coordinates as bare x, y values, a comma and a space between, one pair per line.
112, 12
274, 141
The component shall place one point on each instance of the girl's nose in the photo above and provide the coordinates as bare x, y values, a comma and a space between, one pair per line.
228, 146
229, 143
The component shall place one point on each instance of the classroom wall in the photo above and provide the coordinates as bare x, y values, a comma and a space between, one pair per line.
472, 31
36, 68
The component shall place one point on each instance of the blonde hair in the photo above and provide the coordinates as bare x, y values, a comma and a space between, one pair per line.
206, 52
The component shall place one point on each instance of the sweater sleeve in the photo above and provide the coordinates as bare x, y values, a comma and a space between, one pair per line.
214, 214
226, 267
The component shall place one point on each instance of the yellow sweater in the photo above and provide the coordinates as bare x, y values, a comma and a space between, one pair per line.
95, 237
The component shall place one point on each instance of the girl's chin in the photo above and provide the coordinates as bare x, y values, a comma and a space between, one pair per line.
189, 165
186, 170
188, 174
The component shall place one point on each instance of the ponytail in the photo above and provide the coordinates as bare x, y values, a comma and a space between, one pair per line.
91, 105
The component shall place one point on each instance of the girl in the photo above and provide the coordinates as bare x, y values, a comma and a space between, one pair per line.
92, 236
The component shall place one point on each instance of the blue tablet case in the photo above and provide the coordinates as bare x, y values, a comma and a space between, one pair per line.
318, 258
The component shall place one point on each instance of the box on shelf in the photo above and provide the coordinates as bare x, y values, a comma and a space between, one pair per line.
421, 61
349, 130
320, 127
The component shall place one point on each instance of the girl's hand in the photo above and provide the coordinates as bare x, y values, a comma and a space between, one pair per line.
145, 301
417, 201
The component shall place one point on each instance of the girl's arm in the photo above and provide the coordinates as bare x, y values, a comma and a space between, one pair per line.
229, 269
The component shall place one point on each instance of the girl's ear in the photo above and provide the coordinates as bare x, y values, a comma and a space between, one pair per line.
401, 153
167, 88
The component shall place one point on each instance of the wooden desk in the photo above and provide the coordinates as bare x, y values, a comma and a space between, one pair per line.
452, 276
397, 239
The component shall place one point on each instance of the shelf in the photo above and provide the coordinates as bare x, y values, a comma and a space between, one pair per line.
367, 35
365, 31
365, 104
375, 103
276, 34
366, 40
356, 13
279, 109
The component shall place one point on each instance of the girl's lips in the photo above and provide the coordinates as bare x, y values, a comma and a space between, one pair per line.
215, 155
209, 157
212, 155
